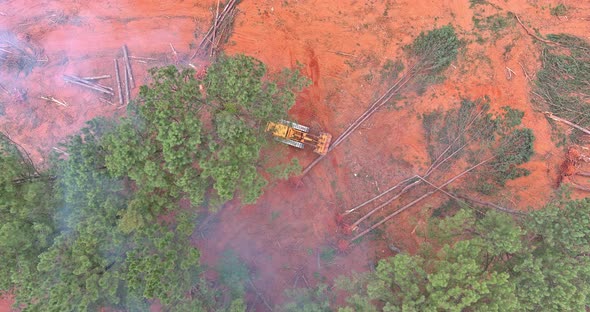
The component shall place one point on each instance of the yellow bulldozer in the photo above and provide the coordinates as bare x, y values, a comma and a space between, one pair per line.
297, 135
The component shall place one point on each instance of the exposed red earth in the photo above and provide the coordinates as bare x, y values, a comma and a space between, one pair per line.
342, 46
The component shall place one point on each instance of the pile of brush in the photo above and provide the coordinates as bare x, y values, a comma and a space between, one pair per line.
220, 29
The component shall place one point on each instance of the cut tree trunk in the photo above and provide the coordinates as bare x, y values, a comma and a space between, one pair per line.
402, 209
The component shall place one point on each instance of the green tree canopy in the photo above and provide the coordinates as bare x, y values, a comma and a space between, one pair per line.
27, 206
179, 141
491, 263
107, 228
555, 272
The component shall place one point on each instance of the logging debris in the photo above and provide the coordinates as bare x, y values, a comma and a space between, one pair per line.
50, 98
142, 58
219, 32
567, 122
88, 84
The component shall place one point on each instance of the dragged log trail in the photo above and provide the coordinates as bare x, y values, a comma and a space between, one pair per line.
430, 54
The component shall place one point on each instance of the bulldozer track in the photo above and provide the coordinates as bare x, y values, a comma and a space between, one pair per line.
295, 125
374, 107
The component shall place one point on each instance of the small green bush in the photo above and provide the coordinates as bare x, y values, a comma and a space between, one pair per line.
559, 10
328, 254
435, 50
494, 23
474, 3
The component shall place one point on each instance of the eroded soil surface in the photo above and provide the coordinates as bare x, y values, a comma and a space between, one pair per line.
342, 47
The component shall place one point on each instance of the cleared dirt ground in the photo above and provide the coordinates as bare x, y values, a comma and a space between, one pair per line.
342, 46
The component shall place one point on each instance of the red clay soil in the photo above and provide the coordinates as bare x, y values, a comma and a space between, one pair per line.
342, 46
83, 38
5, 303
575, 170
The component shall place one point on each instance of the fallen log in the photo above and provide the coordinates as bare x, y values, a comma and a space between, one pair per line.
24, 154
580, 187
435, 165
342, 53
88, 84
128, 66
296, 280
374, 107
419, 180
174, 52
216, 42
426, 61
525, 72
142, 58
410, 186
54, 100
119, 87
97, 77
379, 196
567, 122
218, 21
355, 124
102, 86
438, 188
61, 151
389, 201
215, 27
305, 280
259, 294
489, 205
127, 89
384, 99
532, 34
211, 39
402, 209
105, 101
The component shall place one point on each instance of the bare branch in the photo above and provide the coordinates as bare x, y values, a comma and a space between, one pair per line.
567, 122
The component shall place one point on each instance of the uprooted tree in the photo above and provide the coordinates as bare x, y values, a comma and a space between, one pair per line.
563, 82
106, 229
428, 56
492, 148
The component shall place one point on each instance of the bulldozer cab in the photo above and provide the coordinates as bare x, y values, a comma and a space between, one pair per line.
298, 136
